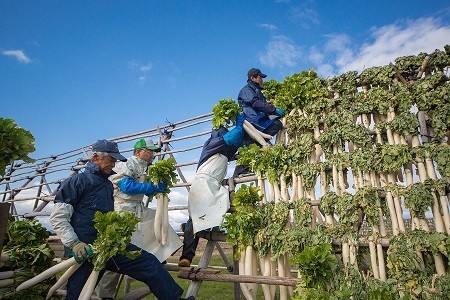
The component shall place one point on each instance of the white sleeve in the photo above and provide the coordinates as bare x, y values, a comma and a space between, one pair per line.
60, 220
121, 170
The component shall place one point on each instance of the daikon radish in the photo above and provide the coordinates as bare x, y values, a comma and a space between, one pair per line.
264, 135
6, 274
255, 134
62, 280
47, 274
165, 220
6, 282
159, 217
89, 286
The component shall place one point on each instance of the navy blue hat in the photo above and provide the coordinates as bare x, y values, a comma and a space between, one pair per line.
253, 72
108, 147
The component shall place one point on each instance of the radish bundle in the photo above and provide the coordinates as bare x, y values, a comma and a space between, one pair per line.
64, 277
258, 136
273, 162
225, 112
241, 228
162, 171
10, 278
114, 234
26, 254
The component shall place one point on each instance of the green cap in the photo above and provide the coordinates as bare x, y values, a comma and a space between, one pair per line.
146, 144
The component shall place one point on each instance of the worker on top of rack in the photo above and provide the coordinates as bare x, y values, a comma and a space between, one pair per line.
260, 113
208, 200
77, 200
129, 190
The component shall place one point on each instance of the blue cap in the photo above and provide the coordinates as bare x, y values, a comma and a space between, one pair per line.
253, 72
108, 147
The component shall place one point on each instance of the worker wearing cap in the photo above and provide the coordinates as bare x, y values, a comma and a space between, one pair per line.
129, 190
260, 113
77, 200
129, 180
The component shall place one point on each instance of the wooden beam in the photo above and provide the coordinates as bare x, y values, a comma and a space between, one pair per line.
214, 275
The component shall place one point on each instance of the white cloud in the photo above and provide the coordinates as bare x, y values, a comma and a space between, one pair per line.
392, 41
142, 79
145, 68
280, 51
18, 54
337, 43
315, 55
386, 44
270, 27
304, 16
176, 217
325, 70
140, 68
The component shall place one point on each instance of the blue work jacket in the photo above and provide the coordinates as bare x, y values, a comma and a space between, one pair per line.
255, 106
87, 192
215, 144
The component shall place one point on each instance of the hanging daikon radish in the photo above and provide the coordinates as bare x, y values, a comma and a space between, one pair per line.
264, 266
391, 206
244, 286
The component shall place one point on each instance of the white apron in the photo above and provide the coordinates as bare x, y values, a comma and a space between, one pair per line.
144, 237
208, 200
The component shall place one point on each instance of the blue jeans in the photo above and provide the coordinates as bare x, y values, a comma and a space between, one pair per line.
145, 268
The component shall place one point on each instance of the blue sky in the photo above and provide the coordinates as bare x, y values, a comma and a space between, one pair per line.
73, 72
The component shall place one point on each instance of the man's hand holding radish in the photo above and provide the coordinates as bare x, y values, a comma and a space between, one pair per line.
81, 251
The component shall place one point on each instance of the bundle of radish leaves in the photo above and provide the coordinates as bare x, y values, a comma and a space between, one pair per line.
225, 112
25, 255
162, 171
114, 234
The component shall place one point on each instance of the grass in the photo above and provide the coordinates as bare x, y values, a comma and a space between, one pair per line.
208, 289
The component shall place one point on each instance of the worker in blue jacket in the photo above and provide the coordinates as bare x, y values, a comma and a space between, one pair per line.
260, 113
208, 200
76, 201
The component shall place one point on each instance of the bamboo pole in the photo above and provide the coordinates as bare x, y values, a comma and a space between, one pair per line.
214, 275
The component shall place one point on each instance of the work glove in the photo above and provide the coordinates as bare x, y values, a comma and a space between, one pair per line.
161, 187
81, 251
235, 137
280, 112
240, 118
